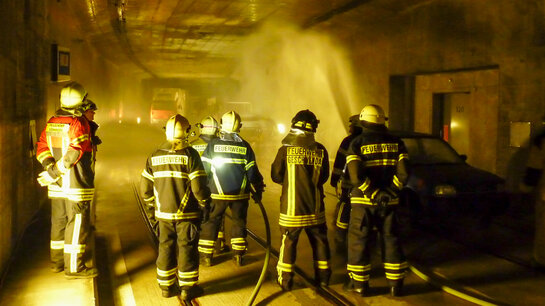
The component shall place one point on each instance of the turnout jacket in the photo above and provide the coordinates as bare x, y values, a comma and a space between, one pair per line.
175, 180
302, 170
339, 165
230, 164
376, 161
201, 143
66, 142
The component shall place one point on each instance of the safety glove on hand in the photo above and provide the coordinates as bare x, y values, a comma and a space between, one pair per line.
51, 175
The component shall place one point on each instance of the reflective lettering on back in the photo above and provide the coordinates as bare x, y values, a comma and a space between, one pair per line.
379, 148
230, 149
169, 160
302, 156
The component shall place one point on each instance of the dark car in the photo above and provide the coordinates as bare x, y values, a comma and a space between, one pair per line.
442, 185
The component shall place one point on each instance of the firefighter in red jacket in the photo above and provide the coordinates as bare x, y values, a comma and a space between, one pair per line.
175, 181
339, 178
65, 150
377, 164
301, 166
232, 171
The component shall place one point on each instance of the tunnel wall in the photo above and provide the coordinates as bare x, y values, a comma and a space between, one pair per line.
28, 98
451, 35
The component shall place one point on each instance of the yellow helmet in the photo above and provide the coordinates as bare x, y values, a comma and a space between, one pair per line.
230, 122
373, 113
208, 126
72, 96
177, 128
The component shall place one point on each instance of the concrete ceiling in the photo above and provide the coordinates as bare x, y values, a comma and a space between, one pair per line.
170, 38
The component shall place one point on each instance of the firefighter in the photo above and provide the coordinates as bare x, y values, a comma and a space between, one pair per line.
175, 181
232, 171
534, 180
209, 129
340, 180
65, 150
377, 164
89, 111
301, 166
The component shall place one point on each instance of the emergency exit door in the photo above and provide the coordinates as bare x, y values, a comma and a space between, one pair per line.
451, 119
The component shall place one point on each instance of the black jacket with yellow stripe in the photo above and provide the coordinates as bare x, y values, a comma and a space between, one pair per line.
231, 167
176, 181
376, 161
302, 171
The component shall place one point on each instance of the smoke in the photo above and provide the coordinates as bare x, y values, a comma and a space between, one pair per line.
283, 70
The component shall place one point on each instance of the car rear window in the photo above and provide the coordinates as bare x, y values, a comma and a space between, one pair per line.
431, 151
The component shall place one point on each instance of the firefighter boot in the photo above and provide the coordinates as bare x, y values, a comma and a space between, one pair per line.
238, 260
396, 289
206, 261
191, 292
359, 288
170, 292
57, 267
85, 273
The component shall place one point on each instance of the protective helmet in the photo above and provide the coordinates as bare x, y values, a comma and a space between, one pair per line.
72, 96
354, 120
230, 122
88, 104
373, 113
208, 126
305, 120
177, 127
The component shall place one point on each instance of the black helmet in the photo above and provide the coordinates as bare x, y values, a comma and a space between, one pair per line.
305, 120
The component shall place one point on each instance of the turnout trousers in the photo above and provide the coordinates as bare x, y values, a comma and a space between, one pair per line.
210, 229
363, 218
342, 215
178, 256
70, 226
317, 236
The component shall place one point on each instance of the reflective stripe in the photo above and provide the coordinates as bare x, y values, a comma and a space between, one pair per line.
196, 174
175, 174
249, 165
403, 156
147, 175
166, 283
229, 197
397, 182
367, 201
350, 158
166, 273
44, 155
56, 244
358, 268
80, 139
396, 266
304, 220
363, 187
75, 249
177, 215
322, 264
380, 162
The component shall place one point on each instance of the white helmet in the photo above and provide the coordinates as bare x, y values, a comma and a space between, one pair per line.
230, 122
208, 126
72, 96
373, 113
177, 128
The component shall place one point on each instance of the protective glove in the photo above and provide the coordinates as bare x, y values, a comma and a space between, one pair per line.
45, 178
